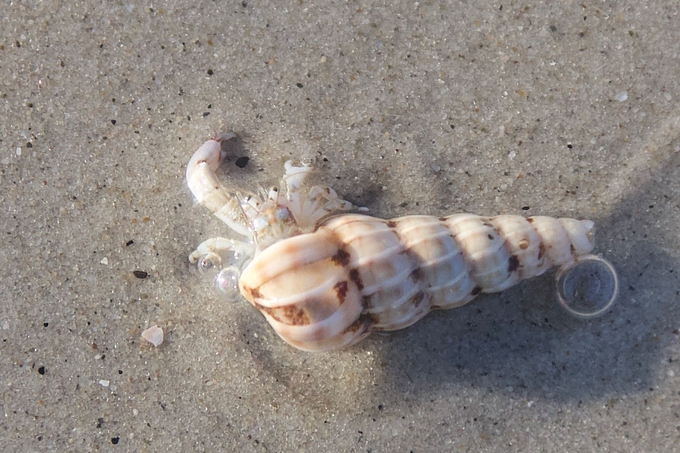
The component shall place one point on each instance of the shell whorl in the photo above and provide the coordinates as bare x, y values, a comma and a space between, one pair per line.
356, 274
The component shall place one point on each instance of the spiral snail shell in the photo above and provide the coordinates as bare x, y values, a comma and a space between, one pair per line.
324, 283
356, 274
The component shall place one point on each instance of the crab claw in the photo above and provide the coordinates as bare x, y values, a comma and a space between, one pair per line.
208, 190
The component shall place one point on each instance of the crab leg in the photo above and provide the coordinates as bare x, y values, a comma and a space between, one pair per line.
219, 246
319, 201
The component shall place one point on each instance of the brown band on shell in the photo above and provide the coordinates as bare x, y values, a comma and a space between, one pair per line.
498, 233
513, 264
356, 279
296, 316
365, 322
366, 302
541, 249
418, 298
251, 293
341, 290
289, 314
416, 275
341, 258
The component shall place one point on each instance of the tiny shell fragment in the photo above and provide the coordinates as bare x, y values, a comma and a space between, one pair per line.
621, 97
153, 335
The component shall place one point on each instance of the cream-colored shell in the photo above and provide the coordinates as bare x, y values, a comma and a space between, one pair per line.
357, 274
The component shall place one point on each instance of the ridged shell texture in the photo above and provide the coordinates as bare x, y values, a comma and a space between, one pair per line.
357, 274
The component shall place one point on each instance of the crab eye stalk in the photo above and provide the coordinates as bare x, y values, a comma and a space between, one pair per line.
273, 223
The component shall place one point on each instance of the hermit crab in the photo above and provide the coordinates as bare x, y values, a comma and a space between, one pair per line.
325, 278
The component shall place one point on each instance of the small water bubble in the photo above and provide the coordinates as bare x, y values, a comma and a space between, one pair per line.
307, 159
226, 283
588, 287
209, 262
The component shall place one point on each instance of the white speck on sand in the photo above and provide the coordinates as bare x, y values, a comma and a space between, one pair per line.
153, 335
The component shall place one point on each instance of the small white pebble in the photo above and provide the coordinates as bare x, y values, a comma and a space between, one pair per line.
5, 325
530, 403
621, 97
135, 412
671, 373
512, 155
18, 151
153, 335
104, 383
104, 261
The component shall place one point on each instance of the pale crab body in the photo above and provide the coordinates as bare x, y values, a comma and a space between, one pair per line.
325, 282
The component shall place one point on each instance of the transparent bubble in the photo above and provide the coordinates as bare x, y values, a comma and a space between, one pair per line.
239, 256
307, 159
588, 287
226, 283
209, 263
